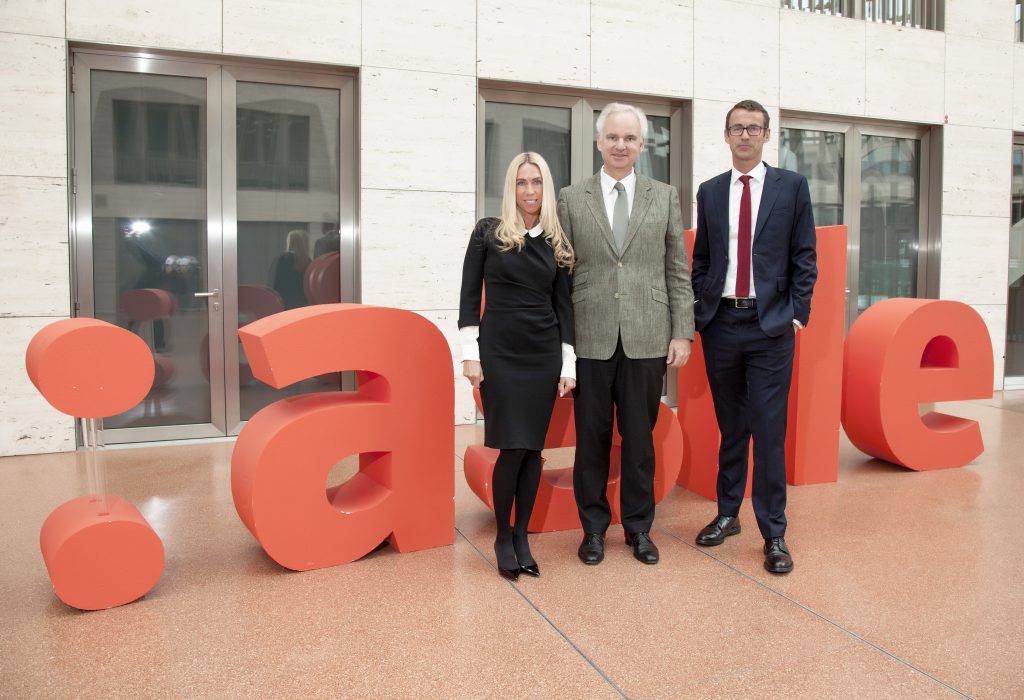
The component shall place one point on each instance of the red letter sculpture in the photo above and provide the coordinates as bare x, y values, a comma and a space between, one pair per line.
399, 423
902, 352
812, 435
556, 504
98, 549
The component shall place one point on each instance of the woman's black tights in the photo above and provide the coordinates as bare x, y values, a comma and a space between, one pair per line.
515, 481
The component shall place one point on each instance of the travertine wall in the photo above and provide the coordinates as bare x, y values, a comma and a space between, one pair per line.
418, 68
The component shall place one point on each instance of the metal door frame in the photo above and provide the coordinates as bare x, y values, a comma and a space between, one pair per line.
222, 223
1011, 381
929, 237
582, 105
82, 234
348, 212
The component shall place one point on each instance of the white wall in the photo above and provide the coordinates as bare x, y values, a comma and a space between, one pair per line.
418, 69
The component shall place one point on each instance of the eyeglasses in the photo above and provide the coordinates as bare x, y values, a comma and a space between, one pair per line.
752, 129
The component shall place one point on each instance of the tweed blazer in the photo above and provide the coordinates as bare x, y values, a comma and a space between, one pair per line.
644, 293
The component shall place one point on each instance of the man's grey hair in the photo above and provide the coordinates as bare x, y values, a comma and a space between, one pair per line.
614, 107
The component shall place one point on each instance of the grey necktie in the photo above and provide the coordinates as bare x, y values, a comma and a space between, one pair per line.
620, 216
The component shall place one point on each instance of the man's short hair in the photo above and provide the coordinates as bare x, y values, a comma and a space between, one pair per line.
612, 108
750, 106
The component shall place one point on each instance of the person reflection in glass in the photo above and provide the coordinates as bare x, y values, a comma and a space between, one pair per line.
520, 352
152, 276
289, 269
330, 242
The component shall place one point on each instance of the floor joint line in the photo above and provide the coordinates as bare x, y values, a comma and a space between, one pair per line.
547, 619
823, 618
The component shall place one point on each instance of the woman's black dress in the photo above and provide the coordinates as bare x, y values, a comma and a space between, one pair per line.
289, 281
527, 316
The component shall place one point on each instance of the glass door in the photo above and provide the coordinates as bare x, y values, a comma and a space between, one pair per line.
561, 127
206, 197
288, 233
147, 221
874, 179
890, 219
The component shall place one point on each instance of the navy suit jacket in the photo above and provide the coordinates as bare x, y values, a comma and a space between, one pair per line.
783, 257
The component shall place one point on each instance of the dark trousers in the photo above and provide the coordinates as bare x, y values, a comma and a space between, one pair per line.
749, 374
633, 389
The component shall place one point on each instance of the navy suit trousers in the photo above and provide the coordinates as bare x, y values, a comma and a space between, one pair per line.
749, 374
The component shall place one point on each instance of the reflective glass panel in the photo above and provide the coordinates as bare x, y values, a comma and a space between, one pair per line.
149, 231
654, 160
1015, 296
889, 219
818, 156
288, 174
511, 129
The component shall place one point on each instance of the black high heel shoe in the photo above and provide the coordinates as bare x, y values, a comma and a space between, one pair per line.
522, 549
510, 574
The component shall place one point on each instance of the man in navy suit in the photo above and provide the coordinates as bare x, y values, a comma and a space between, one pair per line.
754, 268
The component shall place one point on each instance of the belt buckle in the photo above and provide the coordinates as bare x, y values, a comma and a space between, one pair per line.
744, 303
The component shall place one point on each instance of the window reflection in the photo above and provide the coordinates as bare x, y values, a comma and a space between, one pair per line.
273, 150
156, 142
889, 219
149, 221
288, 175
818, 156
511, 129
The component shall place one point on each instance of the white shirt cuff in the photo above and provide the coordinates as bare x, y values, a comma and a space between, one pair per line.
797, 323
470, 348
568, 362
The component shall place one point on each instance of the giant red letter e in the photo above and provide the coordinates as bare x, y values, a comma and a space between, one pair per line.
902, 352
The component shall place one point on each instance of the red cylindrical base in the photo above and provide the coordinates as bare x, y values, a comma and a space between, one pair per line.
100, 561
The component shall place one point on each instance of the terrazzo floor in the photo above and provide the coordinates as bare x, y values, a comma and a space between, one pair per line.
906, 585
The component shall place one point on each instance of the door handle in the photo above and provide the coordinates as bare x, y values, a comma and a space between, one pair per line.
214, 294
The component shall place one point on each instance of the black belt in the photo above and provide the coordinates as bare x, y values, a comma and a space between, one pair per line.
740, 303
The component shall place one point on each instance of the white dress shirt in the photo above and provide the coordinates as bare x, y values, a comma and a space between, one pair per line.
735, 193
470, 334
611, 196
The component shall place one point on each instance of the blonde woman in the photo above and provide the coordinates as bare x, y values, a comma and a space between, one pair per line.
520, 352
289, 269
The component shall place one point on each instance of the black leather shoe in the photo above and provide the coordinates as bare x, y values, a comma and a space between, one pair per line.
717, 530
643, 549
591, 549
776, 556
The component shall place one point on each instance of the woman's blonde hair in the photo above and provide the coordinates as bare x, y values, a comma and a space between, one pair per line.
511, 227
297, 243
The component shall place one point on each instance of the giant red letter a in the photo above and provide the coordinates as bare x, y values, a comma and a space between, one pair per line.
399, 423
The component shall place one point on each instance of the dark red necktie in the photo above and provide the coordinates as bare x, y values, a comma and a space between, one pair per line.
743, 242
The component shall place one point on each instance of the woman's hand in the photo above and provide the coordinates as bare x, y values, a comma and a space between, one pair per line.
565, 385
473, 371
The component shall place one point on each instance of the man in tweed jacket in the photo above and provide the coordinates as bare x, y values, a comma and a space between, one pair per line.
634, 317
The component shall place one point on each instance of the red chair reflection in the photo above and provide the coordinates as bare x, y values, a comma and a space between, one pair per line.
254, 302
150, 305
